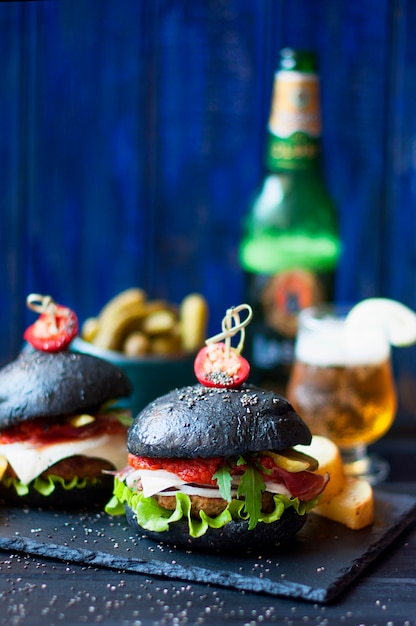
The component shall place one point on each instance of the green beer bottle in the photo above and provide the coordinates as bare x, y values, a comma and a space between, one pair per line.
290, 244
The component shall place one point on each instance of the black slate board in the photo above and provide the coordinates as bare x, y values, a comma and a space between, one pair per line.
320, 562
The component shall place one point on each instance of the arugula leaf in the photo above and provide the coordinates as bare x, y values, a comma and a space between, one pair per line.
125, 419
224, 480
124, 416
251, 487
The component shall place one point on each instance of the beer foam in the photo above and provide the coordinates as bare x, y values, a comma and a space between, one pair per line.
334, 344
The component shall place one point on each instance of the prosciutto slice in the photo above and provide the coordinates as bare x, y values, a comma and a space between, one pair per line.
303, 485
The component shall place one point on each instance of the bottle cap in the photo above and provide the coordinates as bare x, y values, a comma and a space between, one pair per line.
301, 60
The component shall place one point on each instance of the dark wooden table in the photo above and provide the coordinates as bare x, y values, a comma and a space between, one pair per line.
36, 591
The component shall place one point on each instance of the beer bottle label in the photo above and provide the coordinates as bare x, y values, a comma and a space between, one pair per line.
285, 295
295, 122
277, 301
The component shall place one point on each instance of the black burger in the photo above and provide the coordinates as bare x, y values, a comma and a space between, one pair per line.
60, 430
214, 467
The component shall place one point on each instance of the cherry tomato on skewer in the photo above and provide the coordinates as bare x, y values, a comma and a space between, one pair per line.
54, 330
215, 367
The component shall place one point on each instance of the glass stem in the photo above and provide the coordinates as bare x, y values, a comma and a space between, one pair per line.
356, 460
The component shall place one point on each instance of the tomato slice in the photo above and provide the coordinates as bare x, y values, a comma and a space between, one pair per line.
214, 367
51, 333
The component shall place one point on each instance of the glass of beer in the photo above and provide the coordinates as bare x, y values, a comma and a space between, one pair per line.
342, 385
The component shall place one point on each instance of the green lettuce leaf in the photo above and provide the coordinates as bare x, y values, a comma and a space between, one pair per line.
114, 507
151, 516
46, 485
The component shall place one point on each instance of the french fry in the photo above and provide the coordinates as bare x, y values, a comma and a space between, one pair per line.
132, 324
346, 500
193, 317
353, 506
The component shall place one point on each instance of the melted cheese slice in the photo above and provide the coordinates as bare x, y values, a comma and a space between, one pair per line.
29, 461
155, 481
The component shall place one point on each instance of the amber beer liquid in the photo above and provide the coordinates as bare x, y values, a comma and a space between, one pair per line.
342, 382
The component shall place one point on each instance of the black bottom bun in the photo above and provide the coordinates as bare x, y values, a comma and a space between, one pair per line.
233, 537
91, 497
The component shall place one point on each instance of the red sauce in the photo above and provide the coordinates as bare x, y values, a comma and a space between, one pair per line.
56, 430
190, 470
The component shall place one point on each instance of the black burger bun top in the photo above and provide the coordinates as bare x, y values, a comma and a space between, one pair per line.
45, 384
199, 421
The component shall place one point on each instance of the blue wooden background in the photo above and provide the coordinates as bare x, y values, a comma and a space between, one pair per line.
131, 142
